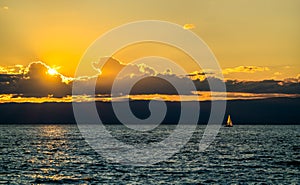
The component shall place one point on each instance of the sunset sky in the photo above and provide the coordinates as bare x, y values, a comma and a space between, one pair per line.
261, 34
256, 43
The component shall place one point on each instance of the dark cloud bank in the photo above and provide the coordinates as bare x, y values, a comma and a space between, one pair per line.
37, 83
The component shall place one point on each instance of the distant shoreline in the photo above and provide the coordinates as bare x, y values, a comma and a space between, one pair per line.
272, 111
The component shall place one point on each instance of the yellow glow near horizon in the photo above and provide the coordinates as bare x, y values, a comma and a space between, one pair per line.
198, 96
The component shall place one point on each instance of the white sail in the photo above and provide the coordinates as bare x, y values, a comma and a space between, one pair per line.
229, 122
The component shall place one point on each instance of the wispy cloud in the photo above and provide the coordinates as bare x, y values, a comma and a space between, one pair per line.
292, 80
199, 75
196, 96
12, 70
277, 73
245, 69
5, 7
189, 26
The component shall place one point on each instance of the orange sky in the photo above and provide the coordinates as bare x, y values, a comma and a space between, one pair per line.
252, 40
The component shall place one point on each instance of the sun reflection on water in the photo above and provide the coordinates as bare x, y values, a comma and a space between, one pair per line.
50, 154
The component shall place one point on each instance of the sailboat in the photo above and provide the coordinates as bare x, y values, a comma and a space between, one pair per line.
229, 122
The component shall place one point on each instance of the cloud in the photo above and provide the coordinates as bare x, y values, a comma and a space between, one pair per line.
35, 81
43, 70
15, 69
152, 82
159, 84
292, 80
25, 71
196, 96
288, 86
111, 68
189, 26
277, 73
199, 75
5, 7
196, 73
168, 72
38, 82
245, 69
145, 69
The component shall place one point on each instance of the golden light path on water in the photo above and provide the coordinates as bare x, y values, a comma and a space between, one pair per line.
196, 96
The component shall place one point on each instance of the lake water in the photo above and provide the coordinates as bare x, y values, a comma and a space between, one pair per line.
45, 154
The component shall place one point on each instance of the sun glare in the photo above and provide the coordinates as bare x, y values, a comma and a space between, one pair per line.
52, 71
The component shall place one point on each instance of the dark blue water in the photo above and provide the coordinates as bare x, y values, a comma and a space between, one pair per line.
45, 154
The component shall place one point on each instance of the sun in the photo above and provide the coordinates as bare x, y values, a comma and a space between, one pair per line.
52, 71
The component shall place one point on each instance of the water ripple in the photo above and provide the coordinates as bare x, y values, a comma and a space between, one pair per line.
57, 154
